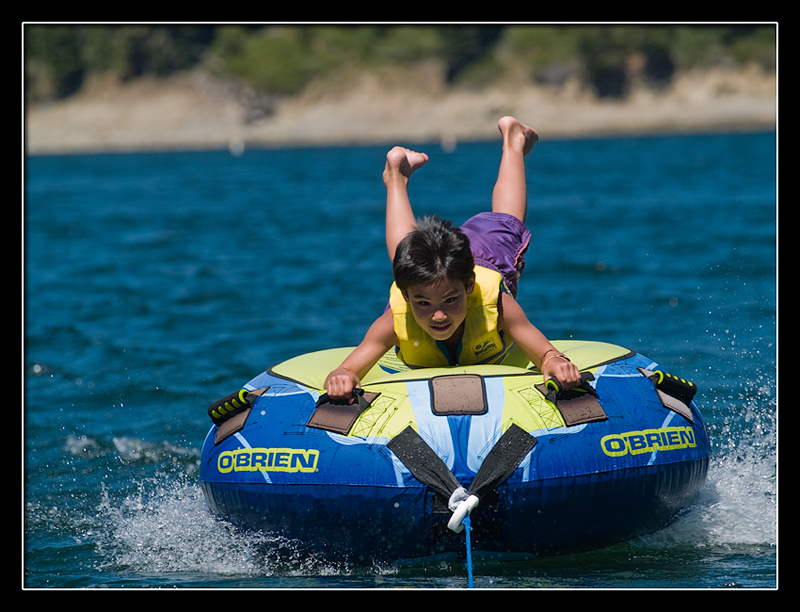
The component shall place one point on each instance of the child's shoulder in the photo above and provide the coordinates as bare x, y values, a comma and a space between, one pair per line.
508, 308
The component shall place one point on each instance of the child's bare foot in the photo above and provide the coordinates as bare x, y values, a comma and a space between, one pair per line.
403, 162
517, 134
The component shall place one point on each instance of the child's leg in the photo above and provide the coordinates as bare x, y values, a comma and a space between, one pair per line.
400, 221
510, 191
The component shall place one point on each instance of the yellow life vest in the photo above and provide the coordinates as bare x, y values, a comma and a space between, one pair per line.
482, 341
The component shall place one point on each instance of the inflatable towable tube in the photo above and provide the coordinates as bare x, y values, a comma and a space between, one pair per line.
393, 474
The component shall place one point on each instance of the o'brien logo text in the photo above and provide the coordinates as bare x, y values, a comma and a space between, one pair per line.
648, 440
268, 460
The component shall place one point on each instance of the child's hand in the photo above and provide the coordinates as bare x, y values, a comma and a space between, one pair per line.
562, 370
340, 384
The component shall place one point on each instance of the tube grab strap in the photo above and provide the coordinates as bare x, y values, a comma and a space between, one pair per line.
578, 405
230, 413
221, 410
674, 393
337, 415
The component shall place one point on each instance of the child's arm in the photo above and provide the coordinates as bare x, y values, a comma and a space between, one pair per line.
535, 345
400, 165
379, 338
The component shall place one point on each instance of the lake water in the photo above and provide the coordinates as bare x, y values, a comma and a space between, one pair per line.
156, 283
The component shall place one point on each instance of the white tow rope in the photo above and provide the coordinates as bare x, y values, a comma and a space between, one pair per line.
461, 504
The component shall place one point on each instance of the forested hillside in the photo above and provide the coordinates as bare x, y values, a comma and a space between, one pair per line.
283, 60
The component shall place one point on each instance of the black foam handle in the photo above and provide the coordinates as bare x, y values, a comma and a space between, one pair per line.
222, 409
554, 385
675, 386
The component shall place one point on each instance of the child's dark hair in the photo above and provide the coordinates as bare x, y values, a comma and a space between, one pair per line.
435, 250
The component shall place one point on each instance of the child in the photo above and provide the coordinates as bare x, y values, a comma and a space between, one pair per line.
453, 297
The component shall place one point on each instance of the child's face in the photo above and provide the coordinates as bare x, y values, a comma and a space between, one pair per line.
441, 308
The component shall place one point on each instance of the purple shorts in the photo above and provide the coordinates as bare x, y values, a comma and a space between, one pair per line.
498, 241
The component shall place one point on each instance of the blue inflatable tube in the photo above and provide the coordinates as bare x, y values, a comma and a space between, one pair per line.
537, 470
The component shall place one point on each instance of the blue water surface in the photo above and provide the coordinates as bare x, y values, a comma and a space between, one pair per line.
155, 283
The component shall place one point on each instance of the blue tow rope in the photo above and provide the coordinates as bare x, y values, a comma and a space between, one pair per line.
467, 529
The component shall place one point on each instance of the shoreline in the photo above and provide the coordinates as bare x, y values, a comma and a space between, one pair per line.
193, 112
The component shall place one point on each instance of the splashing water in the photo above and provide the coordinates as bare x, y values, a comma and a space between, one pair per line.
738, 506
165, 527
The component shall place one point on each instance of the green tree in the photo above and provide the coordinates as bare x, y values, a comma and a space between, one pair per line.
53, 63
282, 60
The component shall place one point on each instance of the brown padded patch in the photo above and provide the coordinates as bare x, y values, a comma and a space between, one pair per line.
577, 407
581, 409
669, 401
675, 405
232, 425
237, 421
461, 394
339, 416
